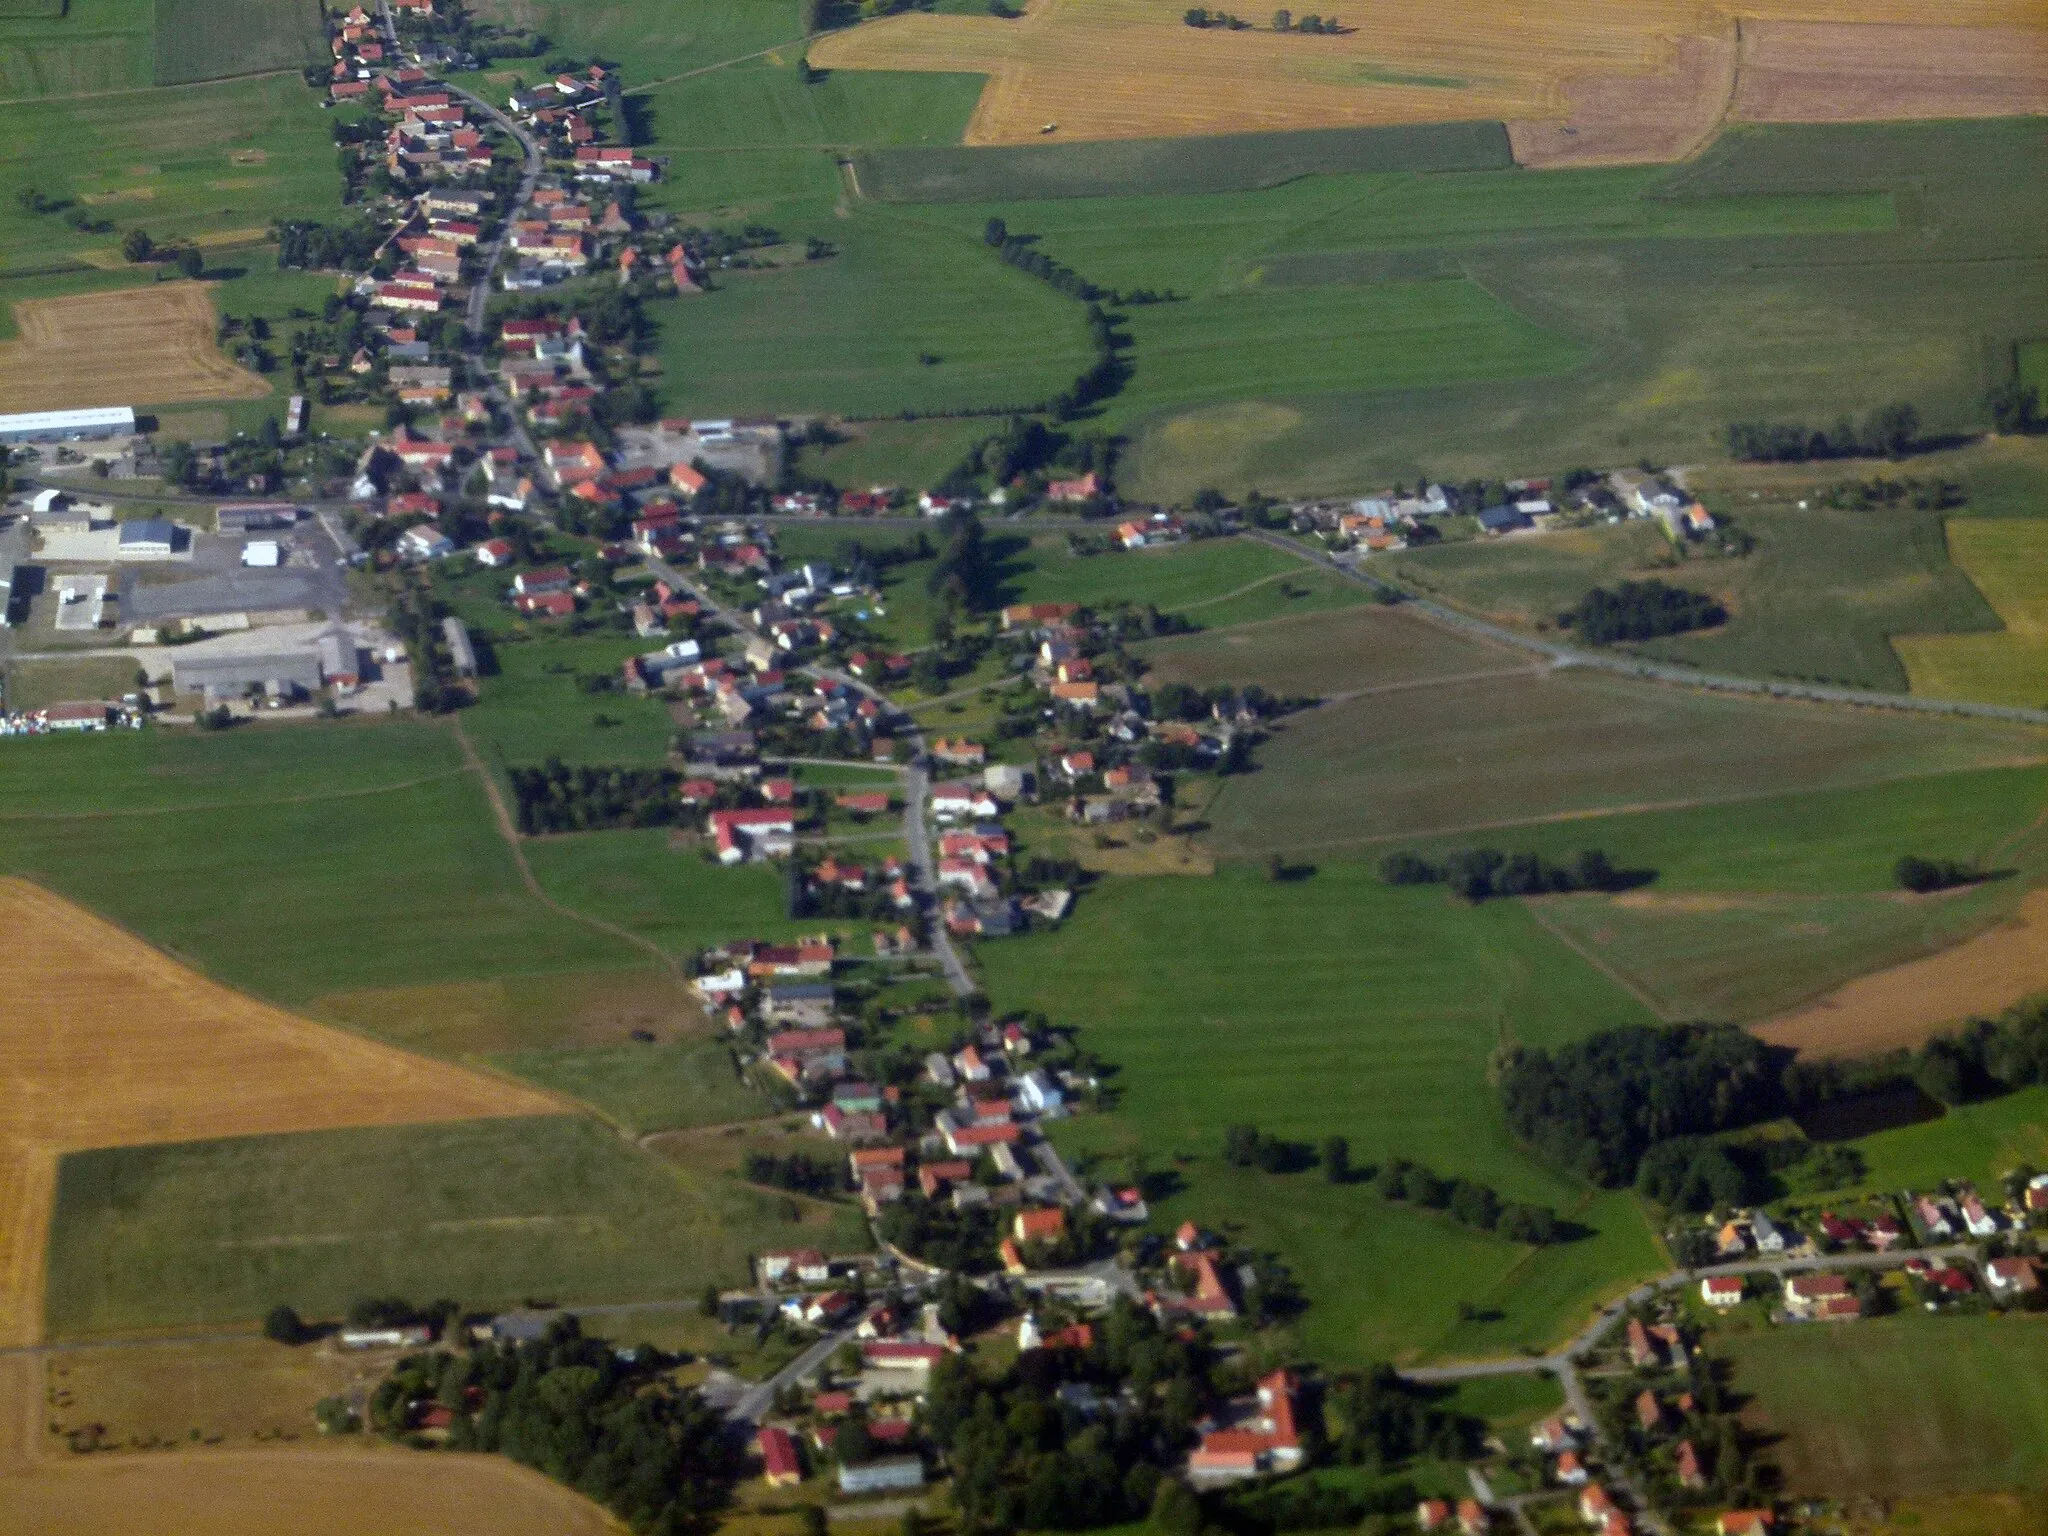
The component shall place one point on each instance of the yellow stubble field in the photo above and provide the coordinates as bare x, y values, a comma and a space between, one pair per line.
1578, 81
143, 346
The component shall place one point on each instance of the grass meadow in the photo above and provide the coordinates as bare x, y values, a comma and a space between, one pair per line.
1979, 1142
66, 49
1978, 1387
646, 1088
492, 1213
208, 163
2004, 557
1334, 1005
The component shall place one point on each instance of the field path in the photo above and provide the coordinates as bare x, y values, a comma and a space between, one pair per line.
1656, 1009
509, 830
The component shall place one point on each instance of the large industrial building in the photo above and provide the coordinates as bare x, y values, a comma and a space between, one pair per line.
68, 426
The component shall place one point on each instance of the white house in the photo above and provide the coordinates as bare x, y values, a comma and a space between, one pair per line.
424, 541
1768, 1238
1039, 1093
1721, 1290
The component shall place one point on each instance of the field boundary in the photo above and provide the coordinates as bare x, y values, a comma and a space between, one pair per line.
1632, 988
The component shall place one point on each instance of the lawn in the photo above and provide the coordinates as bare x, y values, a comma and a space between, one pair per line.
1334, 1005
1977, 1386
208, 163
34, 684
2005, 558
1980, 1142
292, 862
212, 39
534, 706
493, 1213
643, 1088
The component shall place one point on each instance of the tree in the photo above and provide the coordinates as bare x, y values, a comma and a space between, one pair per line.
1337, 1160
1175, 1509
708, 1302
1282, 21
283, 1325
136, 246
1241, 1145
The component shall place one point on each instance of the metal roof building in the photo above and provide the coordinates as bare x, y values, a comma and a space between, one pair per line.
231, 676
62, 426
460, 651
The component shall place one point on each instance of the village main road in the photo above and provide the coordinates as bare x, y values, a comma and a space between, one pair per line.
1632, 666
916, 780
752, 1405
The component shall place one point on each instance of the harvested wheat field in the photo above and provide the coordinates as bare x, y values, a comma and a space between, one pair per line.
143, 346
105, 1042
1818, 72
1902, 1006
1580, 81
313, 1492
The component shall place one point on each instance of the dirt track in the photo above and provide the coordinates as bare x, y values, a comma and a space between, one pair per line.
133, 346
1904, 1005
106, 1042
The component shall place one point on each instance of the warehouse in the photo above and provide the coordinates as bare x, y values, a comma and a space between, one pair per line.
461, 653
149, 538
280, 674
254, 516
68, 426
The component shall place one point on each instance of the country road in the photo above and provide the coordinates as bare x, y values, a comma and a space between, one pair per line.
1560, 655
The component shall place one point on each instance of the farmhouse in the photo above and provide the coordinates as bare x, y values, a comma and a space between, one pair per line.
2012, 1277
1721, 1290
1821, 1297
1266, 1439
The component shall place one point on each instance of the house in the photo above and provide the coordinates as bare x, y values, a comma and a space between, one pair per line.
424, 541
496, 553
971, 1140
901, 1355
1821, 1297
1031, 615
1571, 1471
740, 835
2008, 1278
970, 1066
1087, 488
780, 1466
1472, 1517
1211, 1295
1266, 1439
1552, 1436
1432, 1515
1594, 1504
1980, 1222
1039, 1094
1048, 1225
1769, 1237
1690, 1473
862, 802
1722, 1291
546, 605
547, 578
1745, 1522
933, 1179
1649, 1412
806, 1265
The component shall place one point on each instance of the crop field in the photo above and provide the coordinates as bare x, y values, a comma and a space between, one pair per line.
1829, 72
1222, 163
212, 39
319, 1491
1334, 1005
2005, 557
53, 48
566, 1010
386, 827
110, 1043
212, 164
149, 345
1119, 69
1363, 649
559, 1207
1979, 1387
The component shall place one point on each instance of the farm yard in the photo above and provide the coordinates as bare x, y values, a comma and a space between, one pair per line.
153, 344
1116, 69
1831, 1397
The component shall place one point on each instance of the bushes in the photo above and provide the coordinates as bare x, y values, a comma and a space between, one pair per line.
1892, 430
1913, 873
1471, 1204
1597, 1107
1641, 610
1478, 873
558, 798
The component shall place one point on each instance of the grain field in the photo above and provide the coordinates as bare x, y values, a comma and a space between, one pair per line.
133, 346
106, 1042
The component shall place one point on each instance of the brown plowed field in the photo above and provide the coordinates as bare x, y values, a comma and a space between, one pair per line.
135, 346
314, 1492
1818, 72
1639, 80
105, 1042
1906, 1004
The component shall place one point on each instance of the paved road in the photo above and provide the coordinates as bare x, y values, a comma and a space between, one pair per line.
753, 1404
916, 778
1649, 671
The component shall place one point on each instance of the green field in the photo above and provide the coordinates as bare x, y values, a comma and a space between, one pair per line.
292, 862
2004, 557
492, 1213
54, 49
1979, 1142
643, 1088
164, 161
677, 898
1820, 597
1217, 163
533, 708
1977, 1388
1335, 1005
213, 39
